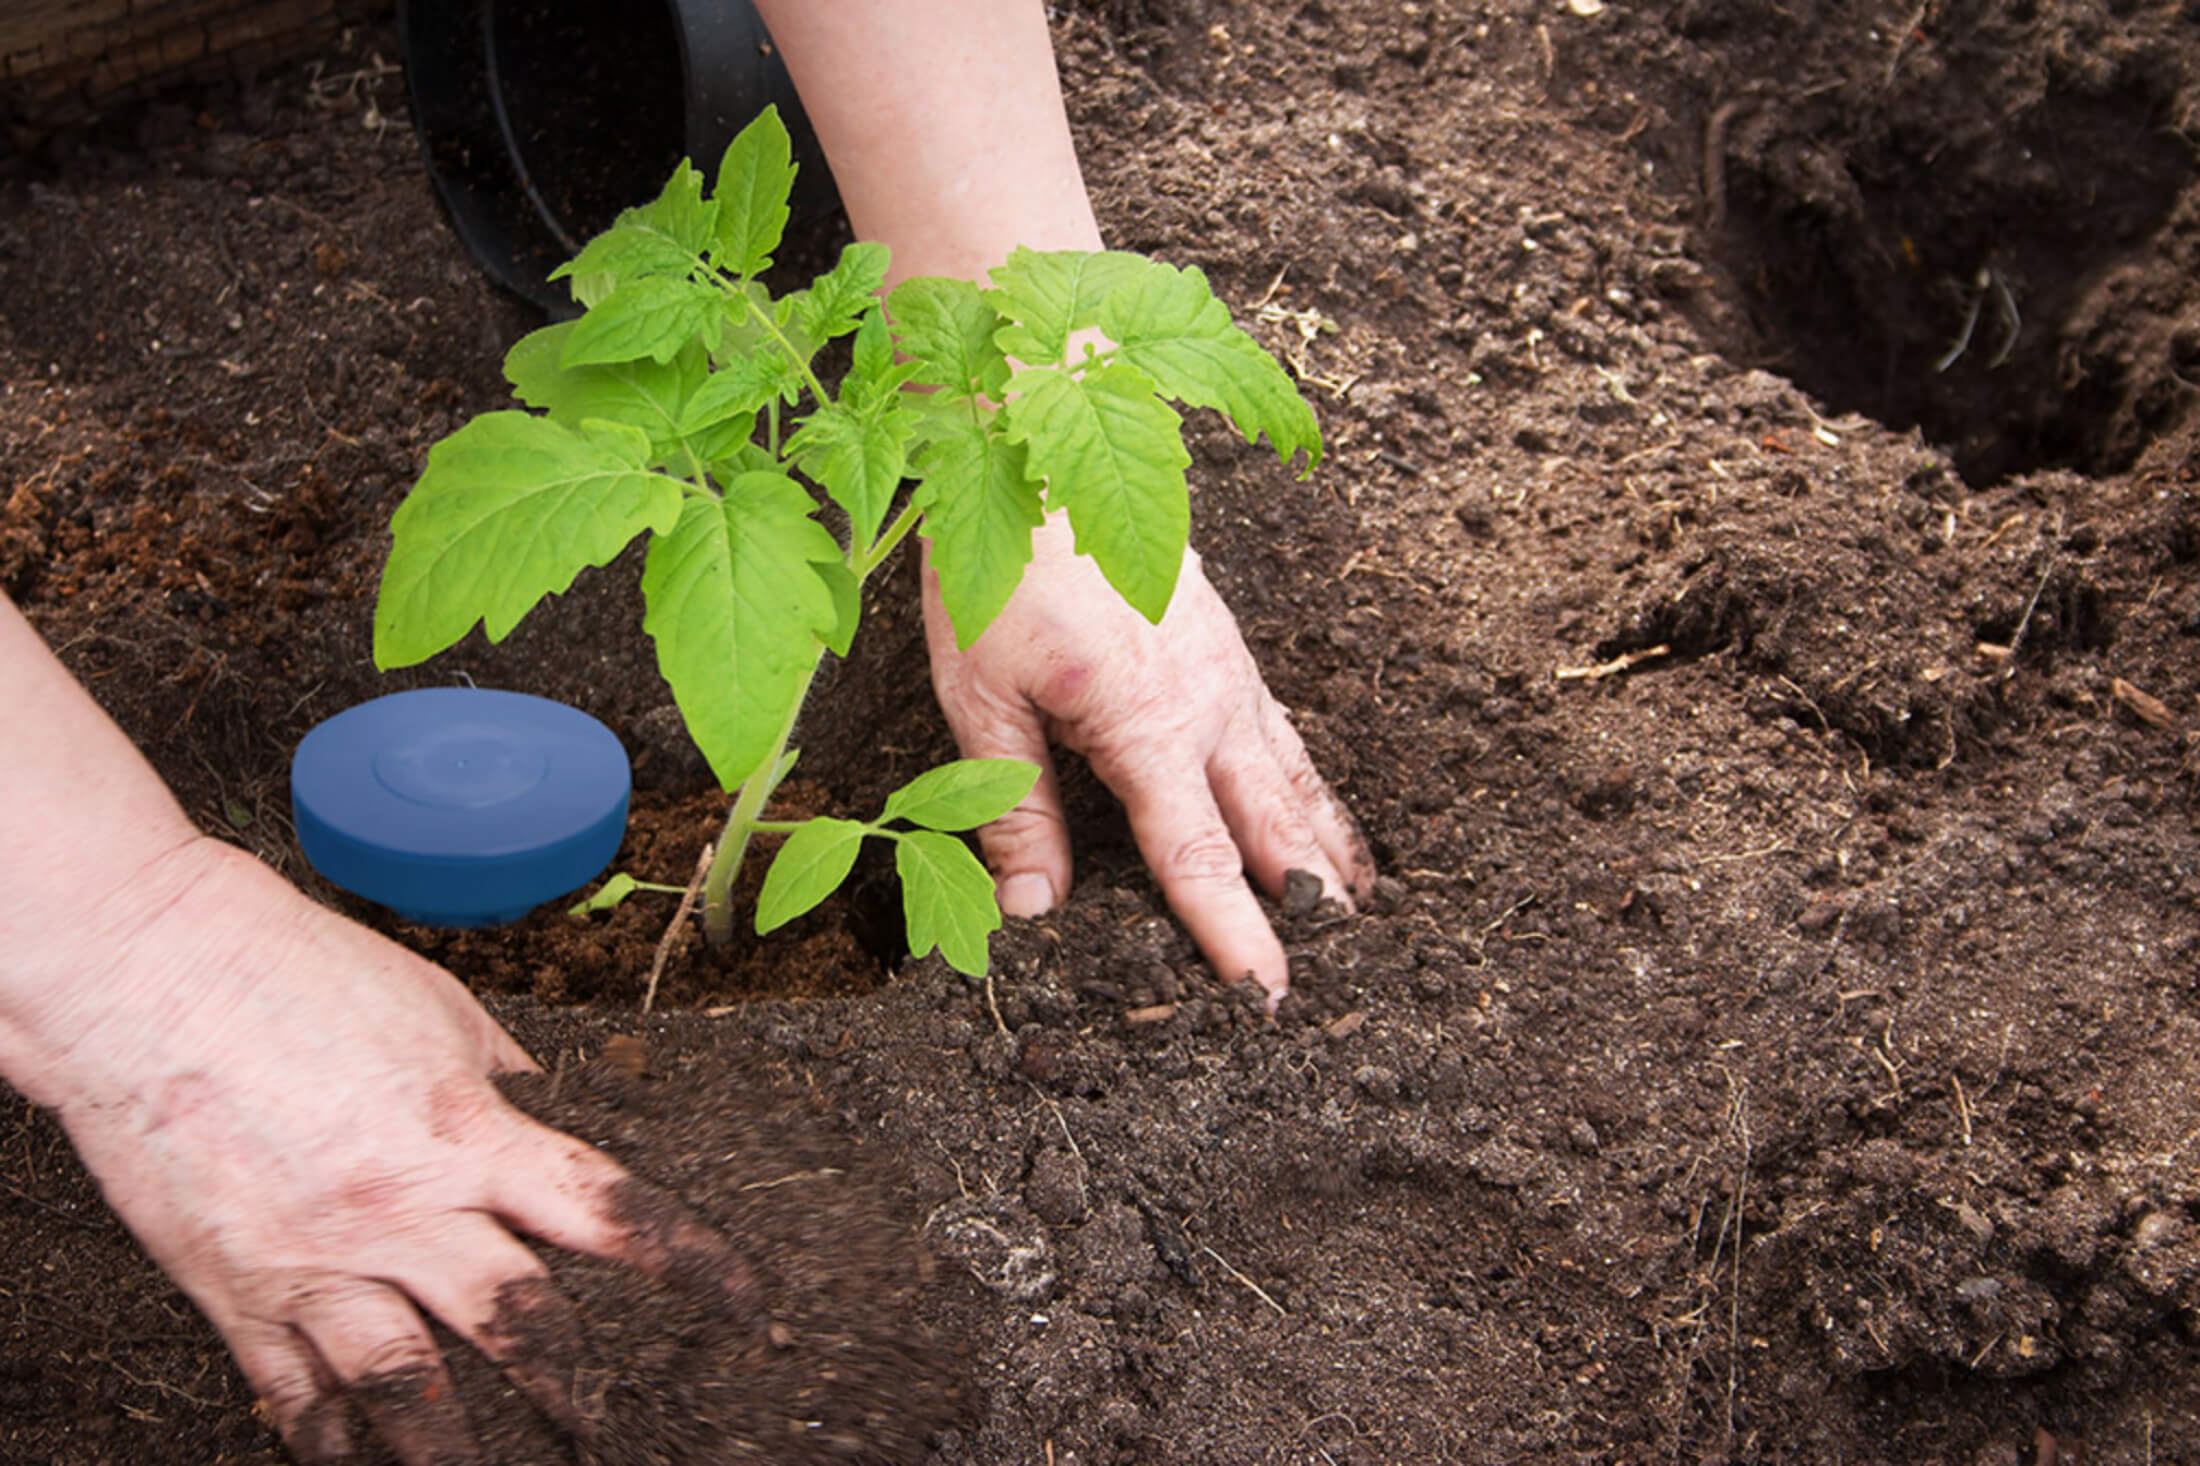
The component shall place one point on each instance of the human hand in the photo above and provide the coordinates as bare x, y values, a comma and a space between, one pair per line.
296, 1119
1176, 720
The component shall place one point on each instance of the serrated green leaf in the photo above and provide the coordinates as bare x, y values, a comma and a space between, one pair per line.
740, 388
962, 795
741, 316
607, 897
1168, 324
859, 454
946, 899
647, 394
717, 445
655, 318
809, 867
873, 354
838, 299
661, 238
746, 456
948, 328
510, 509
1047, 296
755, 177
1112, 454
979, 511
736, 610
847, 594
873, 374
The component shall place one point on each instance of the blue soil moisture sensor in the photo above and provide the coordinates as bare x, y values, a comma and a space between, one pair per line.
459, 806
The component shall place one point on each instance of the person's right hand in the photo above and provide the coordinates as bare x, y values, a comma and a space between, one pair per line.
296, 1118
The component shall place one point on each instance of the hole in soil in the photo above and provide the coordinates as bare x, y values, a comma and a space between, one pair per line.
1990, 280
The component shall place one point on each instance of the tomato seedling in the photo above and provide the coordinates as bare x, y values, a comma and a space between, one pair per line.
685, 402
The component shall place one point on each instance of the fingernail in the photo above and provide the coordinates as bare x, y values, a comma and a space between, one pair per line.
1026, 894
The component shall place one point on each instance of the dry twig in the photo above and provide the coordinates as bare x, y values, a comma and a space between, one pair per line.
676, 926
1625, 661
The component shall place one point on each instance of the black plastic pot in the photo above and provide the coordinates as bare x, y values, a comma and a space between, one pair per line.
542, 119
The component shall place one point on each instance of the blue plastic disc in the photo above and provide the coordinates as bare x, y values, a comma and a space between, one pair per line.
459, 806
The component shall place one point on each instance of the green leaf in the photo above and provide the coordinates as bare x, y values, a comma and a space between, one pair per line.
1047, 296
946, 899
847, 595
742, 313
809, 867
654, 318
736, 609
962, 795
511, 508
948, 328
859, 454
660, 238
743, 457
650, 395
979, 512
608, 897
873, 365
838, 299
740, 388
1112, 454
1168, 324
754, 180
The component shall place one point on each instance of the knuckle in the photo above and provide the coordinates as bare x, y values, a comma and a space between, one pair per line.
1025, 824
395, 1356
1208, 856
1287, 831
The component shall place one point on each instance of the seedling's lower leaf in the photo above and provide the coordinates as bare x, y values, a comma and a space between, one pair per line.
809, 867
946, 328
1168, 324
608, 897
946, 899
962, 795
511, 508
736, 608
647, 394
859, 454
655, 318
1112, 454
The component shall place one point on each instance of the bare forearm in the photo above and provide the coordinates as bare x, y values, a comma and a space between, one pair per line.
89, 824
945, 126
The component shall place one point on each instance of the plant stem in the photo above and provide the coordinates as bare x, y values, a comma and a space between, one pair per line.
779, 338
863, 562
744, 820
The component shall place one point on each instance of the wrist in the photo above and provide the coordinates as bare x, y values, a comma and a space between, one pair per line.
96, 990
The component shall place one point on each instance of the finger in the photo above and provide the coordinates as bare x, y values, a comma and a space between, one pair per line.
1268, 817
494, 1293
1027, 849
1334, 827
1190, 850
373, 1341
305, 1401
576, 1197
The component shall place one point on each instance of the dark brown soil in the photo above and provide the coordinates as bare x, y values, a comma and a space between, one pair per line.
1778, 1043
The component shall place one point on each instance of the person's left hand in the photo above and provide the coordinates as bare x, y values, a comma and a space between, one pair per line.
1176, 720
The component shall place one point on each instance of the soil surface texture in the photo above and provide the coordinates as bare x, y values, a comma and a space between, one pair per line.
1752, 604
